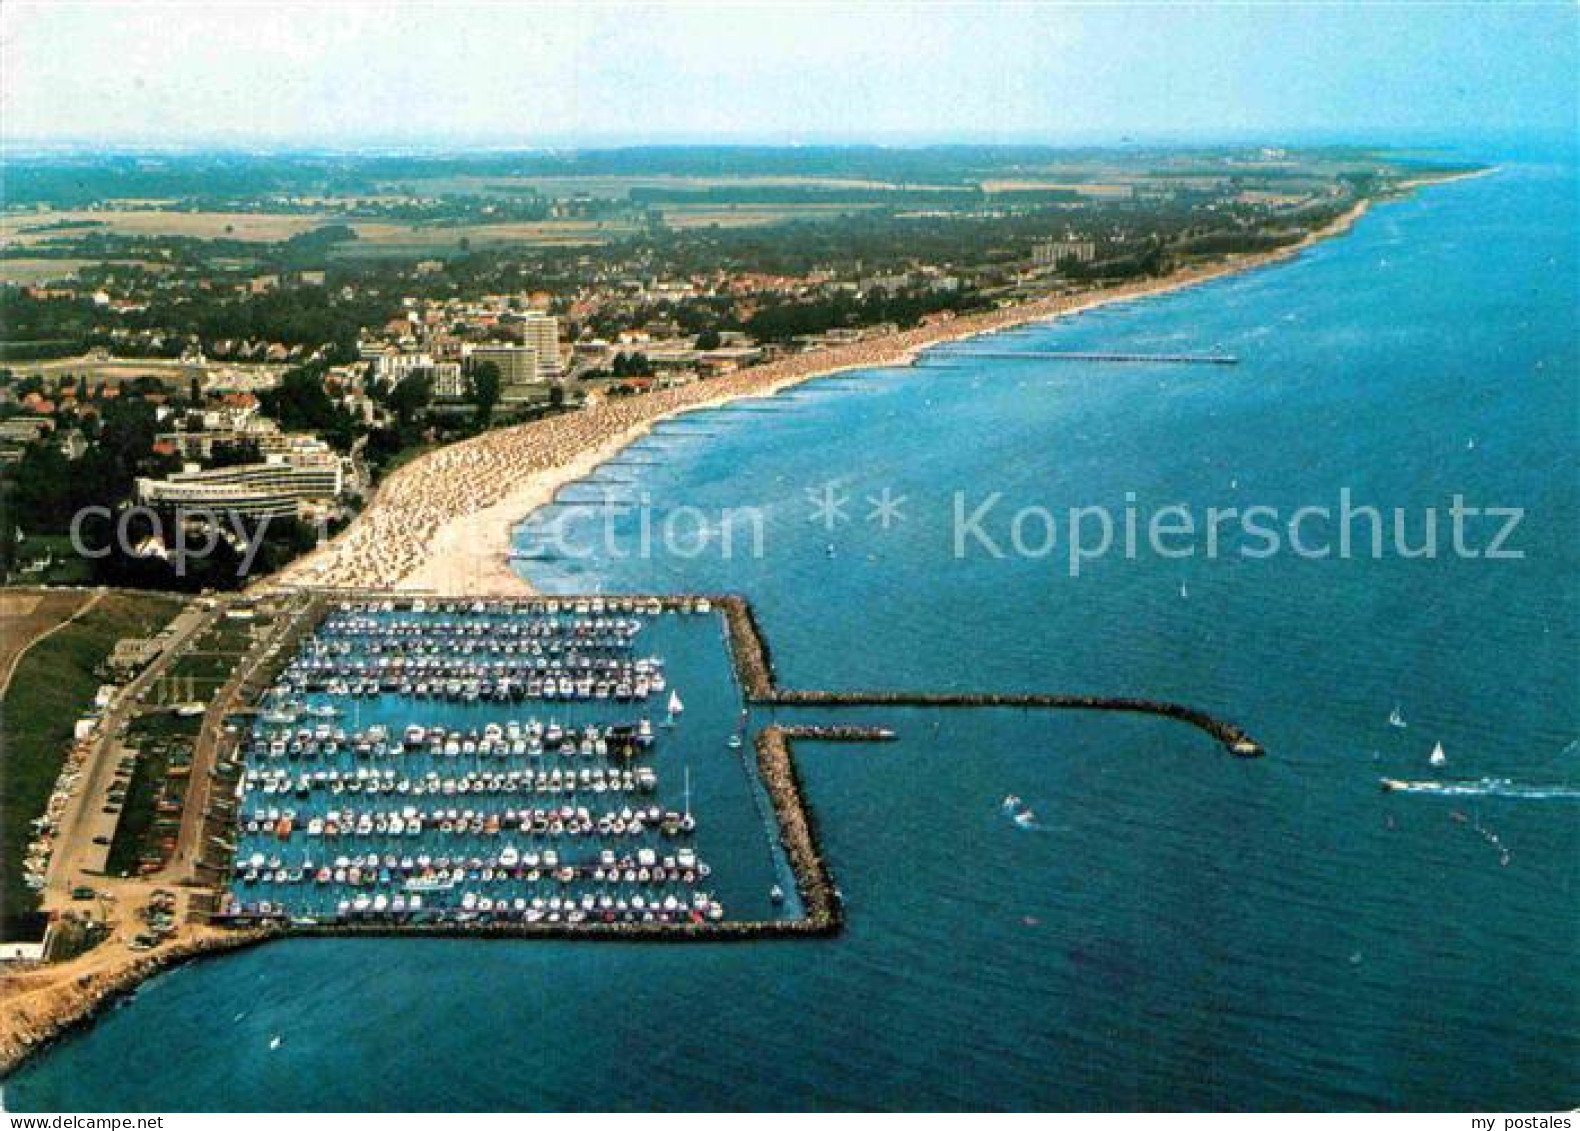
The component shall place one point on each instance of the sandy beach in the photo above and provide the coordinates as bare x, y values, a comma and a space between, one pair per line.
443, 522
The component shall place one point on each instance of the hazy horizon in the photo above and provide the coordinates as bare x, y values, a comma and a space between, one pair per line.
510, 77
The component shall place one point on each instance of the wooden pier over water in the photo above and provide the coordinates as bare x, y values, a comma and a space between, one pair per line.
1080, 355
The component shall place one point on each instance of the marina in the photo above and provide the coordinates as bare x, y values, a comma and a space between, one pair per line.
526, 765
472, 764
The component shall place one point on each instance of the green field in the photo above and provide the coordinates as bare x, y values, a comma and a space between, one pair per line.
54, 686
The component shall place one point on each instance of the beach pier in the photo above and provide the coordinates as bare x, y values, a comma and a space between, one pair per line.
1079, 355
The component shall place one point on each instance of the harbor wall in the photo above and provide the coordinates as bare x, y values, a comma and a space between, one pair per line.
755, 670
1235, 739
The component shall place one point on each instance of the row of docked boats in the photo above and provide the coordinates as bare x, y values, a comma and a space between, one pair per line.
532, 606
484, 910
477, 681
435, 874
344, 632
496, 740
413, 820
374, 782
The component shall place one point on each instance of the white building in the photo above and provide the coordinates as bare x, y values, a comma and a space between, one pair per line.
541, 332
521, 378
1051, 253
449, 381
393, 366
291, 483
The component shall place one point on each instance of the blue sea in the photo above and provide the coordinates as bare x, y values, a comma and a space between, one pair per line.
1174, 928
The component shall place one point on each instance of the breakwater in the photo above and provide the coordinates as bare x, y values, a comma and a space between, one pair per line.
798, 829
1232, 737
754, 667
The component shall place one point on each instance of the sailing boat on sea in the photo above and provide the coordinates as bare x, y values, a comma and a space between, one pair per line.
1438, 758
1395, 719
675, 708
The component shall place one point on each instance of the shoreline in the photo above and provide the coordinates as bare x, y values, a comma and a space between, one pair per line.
443, 524
51, 1001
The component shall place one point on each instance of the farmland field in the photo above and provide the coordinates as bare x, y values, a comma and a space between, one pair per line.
753, 215
26, 615
260, 227
616, 187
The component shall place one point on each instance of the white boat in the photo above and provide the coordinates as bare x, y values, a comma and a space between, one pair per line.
1395, 719
1438, 758
428, 885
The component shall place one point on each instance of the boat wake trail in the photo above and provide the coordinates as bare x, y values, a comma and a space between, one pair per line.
1485, 787
1028, 823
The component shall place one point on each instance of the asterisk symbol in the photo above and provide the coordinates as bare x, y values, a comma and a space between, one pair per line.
828, 505
885, 508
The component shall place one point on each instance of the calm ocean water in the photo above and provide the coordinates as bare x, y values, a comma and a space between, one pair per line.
1180, 929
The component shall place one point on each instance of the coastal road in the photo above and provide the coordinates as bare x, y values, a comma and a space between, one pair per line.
77, 859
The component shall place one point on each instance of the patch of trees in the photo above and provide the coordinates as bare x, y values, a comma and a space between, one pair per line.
44, 489
65, 322
1235, 243
631, 365
300, 403
139, 550
483, 384
784, 321
305, 316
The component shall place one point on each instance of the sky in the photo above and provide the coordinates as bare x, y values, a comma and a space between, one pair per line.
525, 75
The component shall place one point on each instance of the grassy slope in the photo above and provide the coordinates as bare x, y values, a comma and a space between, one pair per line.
52, 688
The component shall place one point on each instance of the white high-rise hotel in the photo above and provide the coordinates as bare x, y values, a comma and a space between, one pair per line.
528, 371
542, 332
